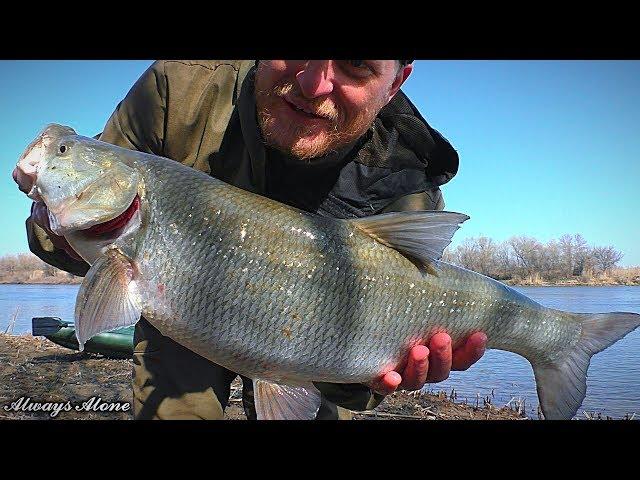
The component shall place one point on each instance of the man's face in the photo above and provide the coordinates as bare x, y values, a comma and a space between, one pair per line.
308, 108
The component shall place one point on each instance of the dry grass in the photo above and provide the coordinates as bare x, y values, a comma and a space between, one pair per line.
12, 322
437, 406
622, 276
534, 279
616, 276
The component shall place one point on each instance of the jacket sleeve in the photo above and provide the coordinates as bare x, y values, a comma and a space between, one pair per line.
138, 124
357, 396
138, 121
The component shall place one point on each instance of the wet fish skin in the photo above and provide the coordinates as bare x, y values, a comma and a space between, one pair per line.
280, 294
319, 289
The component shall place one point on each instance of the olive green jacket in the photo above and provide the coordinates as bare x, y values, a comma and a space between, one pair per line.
191, 112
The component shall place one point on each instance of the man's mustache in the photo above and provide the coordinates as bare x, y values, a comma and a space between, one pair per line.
321, 107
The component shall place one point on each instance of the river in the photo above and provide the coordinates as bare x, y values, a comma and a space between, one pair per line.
613, 384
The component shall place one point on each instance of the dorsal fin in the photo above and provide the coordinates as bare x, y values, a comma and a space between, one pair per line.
422, 235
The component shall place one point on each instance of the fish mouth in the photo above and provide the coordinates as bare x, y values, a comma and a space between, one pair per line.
115, 223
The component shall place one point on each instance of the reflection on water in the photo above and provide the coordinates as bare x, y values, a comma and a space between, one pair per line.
614, 376
35, 301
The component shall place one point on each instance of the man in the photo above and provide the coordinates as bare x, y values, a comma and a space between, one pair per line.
335, 137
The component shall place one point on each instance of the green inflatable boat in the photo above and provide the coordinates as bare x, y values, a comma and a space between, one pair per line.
114, 343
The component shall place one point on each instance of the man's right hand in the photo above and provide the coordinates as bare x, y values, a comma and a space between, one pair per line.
434, 363
40, 216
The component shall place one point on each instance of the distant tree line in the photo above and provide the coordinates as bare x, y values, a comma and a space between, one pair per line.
521, 256
27, 268
24, 262
517, 259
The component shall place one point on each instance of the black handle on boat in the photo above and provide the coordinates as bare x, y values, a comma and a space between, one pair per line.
47, 325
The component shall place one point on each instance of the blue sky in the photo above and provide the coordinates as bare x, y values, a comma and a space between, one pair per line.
546, 147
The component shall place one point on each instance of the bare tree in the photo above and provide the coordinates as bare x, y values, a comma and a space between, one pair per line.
570, 255
529, 253
487, 250
9, 264
605, 258
465, 254
567, 258
506, 263
479, 254
552, 267
581, 254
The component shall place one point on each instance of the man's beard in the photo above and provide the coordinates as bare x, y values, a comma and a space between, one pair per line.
308, 141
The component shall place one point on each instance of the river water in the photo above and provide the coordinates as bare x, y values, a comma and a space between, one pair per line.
613, 384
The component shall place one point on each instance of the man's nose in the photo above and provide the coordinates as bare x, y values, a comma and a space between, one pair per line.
316, 79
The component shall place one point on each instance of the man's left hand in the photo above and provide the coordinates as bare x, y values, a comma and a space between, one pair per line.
433, 363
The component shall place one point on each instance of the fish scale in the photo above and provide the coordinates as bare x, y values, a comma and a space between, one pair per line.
352, 309
286, 296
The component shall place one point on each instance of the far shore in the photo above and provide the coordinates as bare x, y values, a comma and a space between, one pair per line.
512, 283
27, 269
44, 281
571, 283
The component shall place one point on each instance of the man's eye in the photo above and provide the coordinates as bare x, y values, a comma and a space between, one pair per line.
358, 68
357, 63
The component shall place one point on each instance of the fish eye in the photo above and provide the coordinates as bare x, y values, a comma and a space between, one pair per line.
63, 148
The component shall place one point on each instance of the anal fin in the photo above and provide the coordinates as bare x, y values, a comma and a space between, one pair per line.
285, 402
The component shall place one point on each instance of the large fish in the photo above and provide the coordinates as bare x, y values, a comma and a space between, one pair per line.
284, 296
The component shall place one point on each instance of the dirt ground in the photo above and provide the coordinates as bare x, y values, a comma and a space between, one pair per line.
33, 369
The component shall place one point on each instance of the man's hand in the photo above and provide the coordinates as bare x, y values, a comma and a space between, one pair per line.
40, 216
433, 363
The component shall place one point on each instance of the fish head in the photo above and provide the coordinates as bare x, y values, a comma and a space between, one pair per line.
84, 185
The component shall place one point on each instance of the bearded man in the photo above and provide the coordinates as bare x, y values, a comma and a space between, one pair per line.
334, 137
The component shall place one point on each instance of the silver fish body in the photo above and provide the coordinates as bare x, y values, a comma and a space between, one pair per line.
283, 295
274, 292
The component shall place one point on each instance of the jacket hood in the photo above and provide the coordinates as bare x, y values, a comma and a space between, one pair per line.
401, 138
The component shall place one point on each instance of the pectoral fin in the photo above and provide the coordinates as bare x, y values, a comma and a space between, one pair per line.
285, 402
107, 298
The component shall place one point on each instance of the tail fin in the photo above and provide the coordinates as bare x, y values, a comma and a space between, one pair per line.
562, 385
